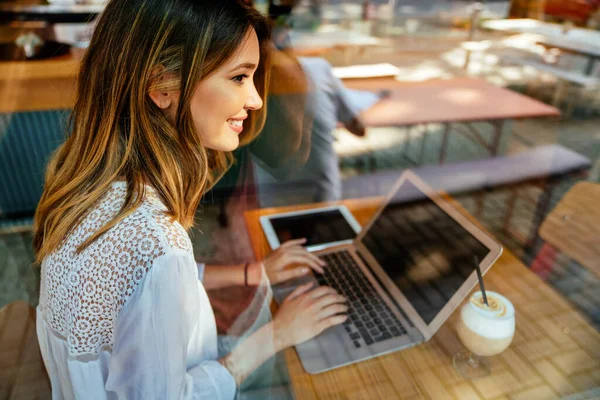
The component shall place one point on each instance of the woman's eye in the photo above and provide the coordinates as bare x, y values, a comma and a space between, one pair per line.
240, 78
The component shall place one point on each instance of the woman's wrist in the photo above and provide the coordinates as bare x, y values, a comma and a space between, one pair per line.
279, 340
251, 353
254, 271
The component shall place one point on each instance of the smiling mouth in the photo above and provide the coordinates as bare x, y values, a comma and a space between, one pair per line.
236, 123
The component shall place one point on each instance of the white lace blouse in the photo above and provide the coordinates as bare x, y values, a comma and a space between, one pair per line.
129, 318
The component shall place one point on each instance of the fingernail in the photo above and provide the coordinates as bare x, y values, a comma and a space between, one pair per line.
304, 270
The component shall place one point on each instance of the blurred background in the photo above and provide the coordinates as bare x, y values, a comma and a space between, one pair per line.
497, 103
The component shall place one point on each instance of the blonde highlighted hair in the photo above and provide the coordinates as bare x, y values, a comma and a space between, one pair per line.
116, 131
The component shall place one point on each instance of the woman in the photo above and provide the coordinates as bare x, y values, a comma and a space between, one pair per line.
167, 88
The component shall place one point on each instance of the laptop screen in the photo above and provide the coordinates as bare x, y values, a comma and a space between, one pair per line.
426, 253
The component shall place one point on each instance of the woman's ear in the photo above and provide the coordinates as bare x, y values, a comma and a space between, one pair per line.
161, 91
162, 99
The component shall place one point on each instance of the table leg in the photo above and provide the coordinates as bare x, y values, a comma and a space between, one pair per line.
561, 87
589, 69
445, 136
541, 210
422, 155
407, 141
498, 131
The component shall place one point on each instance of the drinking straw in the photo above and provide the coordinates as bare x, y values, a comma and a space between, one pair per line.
480, 278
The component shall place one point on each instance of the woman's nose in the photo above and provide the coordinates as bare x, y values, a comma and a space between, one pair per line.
254, 101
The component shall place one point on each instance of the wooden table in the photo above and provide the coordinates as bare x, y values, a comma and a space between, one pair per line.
330, 38
575, 40
590, 51
318, 43
573, 227
555, 351
39, 85
450, 101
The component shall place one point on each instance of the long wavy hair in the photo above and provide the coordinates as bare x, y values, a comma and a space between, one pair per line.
116, 130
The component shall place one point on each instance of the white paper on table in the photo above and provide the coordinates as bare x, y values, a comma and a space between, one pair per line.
366, 71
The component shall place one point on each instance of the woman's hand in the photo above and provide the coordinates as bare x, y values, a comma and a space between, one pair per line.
291, 252
304, 314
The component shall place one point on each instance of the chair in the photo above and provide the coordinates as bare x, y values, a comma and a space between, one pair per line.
573, 227
27, 139
22, 371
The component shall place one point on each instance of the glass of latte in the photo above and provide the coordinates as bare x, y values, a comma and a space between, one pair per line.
485, 330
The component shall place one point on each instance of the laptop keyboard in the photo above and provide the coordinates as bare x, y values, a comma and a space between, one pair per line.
369, 318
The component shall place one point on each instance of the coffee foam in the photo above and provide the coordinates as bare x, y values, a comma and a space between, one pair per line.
496, 307
494, 322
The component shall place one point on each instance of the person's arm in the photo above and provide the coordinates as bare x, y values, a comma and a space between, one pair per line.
284, 143
149, 357
218, 276
303, 314
153, 332
275, 266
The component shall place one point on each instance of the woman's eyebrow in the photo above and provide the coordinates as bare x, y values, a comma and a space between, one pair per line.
244, 66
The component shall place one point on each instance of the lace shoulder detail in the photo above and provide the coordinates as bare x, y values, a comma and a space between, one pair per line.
82, 294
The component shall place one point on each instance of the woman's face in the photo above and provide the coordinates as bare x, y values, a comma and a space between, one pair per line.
222, 101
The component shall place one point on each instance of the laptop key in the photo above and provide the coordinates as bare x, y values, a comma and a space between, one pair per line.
366, 336
356, 344
384, 336
368, 313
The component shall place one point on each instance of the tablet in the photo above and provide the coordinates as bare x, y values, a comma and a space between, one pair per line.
322, 227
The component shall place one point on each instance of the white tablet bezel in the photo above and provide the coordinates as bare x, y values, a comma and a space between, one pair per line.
273, 240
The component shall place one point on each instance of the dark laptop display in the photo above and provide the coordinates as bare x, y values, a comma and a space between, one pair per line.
425, 252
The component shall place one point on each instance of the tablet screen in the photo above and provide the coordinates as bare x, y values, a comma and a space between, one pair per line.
319, 227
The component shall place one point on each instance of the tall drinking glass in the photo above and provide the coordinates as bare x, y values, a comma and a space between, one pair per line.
485, 331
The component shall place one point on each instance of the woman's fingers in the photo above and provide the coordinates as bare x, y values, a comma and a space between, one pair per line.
298, 251
332, 309
299, 290
292, 273
321, 291
329, 322
329, 299
301, 259
294, 242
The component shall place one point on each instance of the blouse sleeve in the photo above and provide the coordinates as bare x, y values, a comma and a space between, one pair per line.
149, 355
201, 267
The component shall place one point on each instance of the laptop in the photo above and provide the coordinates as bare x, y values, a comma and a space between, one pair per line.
403, 276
